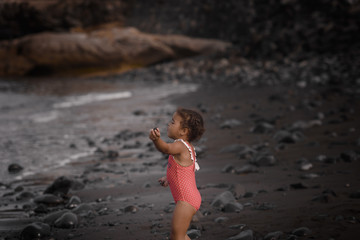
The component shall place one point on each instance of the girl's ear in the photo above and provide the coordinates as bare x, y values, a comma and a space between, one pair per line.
184, 131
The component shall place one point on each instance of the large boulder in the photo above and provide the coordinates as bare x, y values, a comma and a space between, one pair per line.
101, 48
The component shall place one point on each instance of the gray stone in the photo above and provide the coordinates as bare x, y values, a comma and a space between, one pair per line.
194, 233
62, 185
221, 219
48, 199
233, 207
82, 208
233, 148
222, 199
284, 136
263, 127
67, 220
52, 217
73, 202
24, 196
248, 168
302, 231
309, 176
263, 159
265, 206
299, 125
227, 168
244, 235
273, 235
238, 226
230, 123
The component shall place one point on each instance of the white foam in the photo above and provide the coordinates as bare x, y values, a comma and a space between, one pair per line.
90, 98
45, 117
72, 158
32, 171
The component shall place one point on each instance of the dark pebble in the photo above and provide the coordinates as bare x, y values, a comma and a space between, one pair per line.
36, 230
131, 209
48, 199
19, 189
273, 236
265, 206
42, 208
112, 154
248, 168
227, 168
355, 195
62, 185
24, 196
15, 168
298, 186
221, 219
324, 198
248, 195
349, 156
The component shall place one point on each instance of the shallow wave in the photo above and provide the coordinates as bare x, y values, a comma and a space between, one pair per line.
90, 98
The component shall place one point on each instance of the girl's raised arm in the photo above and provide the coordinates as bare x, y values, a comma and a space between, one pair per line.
167, 148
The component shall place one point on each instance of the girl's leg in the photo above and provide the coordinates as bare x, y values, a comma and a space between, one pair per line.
182, 217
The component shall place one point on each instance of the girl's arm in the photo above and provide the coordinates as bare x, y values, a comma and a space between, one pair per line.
167, 148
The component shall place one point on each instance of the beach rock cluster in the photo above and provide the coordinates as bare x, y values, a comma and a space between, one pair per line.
231, 69
55, 208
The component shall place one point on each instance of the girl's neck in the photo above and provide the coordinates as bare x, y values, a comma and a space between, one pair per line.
184, 139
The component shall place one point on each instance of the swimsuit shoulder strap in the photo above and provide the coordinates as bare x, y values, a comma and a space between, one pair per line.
192, 153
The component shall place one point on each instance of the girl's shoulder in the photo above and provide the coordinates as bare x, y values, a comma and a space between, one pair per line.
187, 146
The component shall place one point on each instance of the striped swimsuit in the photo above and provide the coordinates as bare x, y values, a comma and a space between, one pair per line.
182, 180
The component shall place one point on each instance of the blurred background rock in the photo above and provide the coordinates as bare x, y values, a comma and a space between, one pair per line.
256, 28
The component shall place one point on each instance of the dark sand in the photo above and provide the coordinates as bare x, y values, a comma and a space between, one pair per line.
336, 216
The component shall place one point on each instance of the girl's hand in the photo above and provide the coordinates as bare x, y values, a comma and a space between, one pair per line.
154, 134
163, 181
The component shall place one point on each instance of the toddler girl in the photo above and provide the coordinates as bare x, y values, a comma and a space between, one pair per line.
185, 126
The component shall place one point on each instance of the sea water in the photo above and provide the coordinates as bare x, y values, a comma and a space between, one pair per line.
38, 127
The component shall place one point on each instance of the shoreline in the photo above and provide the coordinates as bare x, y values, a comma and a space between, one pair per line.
128, 202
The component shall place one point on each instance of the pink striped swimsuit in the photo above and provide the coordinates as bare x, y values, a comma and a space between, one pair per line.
182, 180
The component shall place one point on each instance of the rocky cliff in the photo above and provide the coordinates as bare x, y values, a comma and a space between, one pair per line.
257, 28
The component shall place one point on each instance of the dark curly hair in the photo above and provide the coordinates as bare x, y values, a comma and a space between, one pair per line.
193, 121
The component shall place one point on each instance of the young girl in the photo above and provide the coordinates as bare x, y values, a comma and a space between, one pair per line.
185, 126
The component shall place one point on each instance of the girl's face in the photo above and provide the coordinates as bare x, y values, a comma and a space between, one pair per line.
174, 129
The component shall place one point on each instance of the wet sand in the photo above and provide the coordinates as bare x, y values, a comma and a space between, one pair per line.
128, 203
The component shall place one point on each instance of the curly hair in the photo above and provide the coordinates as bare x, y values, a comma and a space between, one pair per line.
193, 121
